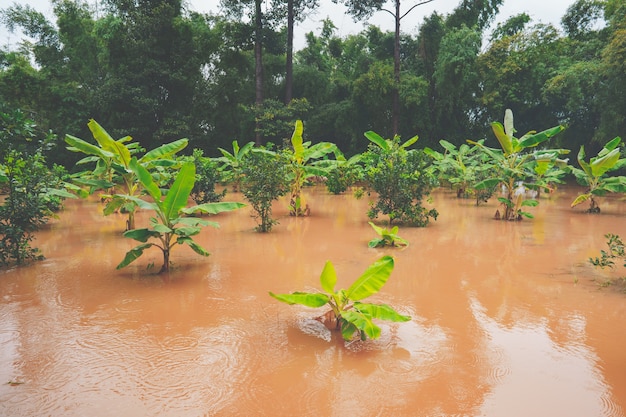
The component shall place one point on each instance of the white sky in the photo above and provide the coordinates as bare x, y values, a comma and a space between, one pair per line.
545, 11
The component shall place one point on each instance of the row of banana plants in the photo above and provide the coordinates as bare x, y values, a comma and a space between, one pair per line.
520, 170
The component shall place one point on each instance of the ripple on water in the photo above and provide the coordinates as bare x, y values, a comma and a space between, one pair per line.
204, 371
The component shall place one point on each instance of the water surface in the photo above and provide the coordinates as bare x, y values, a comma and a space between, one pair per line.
509, 319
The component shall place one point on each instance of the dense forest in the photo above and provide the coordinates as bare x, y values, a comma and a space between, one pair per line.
158, 72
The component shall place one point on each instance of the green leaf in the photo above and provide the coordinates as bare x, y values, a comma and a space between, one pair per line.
529, 141
372, 279
505, 141
108, 143
347, 330
328, 278
381, 312
362, 322
410, 142
146, 180
377, 229
530, 203
612, 144
580, 199
375, 243
86, 147
193, 245
187, 231
377, 139
178, 195
141, 235
296, 141
133, 254
599, 166
303, 298
488, 184
164, 151
213, 208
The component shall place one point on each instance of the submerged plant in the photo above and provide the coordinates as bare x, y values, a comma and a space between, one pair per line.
593, 174
347, 312
27, 205
401, 179
303, 164
263, 182
388, 237
616, 251
170, 226
511, 165
112, 158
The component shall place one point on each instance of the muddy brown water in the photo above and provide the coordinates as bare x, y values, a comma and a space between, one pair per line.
508, 319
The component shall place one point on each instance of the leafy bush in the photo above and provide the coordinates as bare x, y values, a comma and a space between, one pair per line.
207, 175
264, 180
616, 251
401, 180
27, 207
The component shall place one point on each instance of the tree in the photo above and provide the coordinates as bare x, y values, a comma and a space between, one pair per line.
361, 9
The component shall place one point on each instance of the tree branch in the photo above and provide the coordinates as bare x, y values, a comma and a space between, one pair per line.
414, 6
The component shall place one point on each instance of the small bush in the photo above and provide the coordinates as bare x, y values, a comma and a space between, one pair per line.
264, 180
27, 206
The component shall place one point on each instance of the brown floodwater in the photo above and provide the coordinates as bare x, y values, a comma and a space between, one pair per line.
508, 318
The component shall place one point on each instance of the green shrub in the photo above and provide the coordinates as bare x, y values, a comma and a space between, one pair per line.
27, 206
265, 179
401, 180
207, 175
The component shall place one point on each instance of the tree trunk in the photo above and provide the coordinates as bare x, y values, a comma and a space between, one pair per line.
395, 108
258, 60
289, 64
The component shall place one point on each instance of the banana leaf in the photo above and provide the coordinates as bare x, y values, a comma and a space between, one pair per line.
372, 279
302, 298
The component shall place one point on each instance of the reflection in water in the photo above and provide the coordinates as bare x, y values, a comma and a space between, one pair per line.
526, 364
507, 320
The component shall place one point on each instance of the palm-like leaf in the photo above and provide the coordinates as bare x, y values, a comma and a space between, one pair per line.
372, 279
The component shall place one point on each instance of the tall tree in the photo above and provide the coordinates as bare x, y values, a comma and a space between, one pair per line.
294, 11
254, 10
361, 9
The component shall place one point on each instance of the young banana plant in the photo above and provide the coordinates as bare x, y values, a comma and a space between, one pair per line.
511, 164
170, 226
593, 174
351, 316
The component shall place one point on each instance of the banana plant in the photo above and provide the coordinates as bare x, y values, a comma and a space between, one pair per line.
388, 237
347, 312
511, 164
170, 226
233, 163
112, 159
461, 167
593, 174
305, 161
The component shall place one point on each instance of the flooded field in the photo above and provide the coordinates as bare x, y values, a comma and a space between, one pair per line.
508, 319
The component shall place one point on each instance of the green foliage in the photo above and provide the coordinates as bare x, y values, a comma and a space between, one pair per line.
616, 251
513, 165
264, 181
27, 206
207, 175
462, 168
305, 161
18, 132
388, 237
112, 158
232, 163
401, 179
348, 313
170, 226
594, 176
345, 174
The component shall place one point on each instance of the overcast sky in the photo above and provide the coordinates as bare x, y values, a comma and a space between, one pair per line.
545, 11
